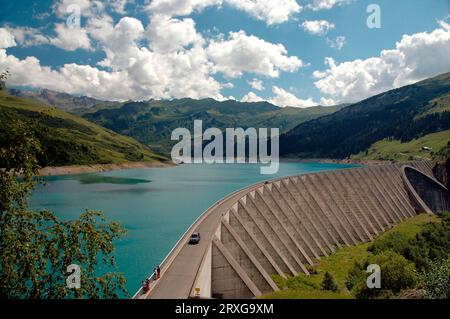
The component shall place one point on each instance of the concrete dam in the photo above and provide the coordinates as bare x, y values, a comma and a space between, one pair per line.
283, 225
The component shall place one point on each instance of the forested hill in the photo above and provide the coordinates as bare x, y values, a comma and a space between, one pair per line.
152, 122
403, 114
67, 139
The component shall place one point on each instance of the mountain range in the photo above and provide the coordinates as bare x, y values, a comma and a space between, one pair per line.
152, 122
401, 124
64, 101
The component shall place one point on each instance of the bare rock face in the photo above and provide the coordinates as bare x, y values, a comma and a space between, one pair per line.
442, 169
441, 172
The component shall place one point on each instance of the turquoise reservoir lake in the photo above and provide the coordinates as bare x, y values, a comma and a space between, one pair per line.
155, 205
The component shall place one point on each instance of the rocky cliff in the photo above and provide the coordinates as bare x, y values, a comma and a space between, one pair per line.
442, 168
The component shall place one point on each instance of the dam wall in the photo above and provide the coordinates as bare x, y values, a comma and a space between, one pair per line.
285, 225
426, 192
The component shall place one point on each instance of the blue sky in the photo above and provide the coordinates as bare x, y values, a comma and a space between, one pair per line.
210, 61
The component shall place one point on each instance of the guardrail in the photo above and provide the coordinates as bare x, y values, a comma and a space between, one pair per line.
184, 238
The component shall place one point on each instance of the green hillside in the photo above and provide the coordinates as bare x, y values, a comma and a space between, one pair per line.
152, 122
404, 114
424, 147
67, 139
340, 263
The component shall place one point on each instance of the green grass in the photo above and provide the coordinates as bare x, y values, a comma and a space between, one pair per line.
395, 150
441, 104
68, 139
339, 264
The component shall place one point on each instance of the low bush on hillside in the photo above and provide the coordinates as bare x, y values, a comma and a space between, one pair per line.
418, 262
397, 274
329, 283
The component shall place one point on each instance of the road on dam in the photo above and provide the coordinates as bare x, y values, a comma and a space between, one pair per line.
177, 280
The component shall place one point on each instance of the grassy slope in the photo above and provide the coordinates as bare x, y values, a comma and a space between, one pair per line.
441, 104
104, 146
338, 265
395, 150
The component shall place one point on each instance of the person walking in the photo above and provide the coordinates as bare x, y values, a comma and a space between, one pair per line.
158, 272
145, 286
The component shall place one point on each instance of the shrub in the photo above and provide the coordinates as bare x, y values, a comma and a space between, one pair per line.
431, 244
395, 241
437, 280
329, 283
397, 273
356, 273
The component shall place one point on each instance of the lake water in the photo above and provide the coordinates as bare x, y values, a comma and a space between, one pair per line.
155, 205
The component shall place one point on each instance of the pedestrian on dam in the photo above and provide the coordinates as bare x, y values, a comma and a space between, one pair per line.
155, 274
158, 272
146, 286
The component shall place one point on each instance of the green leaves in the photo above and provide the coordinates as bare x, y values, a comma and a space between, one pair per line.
436, 279
397, 274
37, 247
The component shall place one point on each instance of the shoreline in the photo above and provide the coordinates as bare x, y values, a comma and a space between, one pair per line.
97, 168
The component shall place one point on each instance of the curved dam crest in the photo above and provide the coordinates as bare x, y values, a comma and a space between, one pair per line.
282, 226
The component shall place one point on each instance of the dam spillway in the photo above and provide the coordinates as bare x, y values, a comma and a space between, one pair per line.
283, 225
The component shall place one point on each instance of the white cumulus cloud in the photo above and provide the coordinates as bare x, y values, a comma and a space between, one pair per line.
327, 102
165, 59
317, 27
317, 5
6, 39
414, 58
119, 5
71, 39
62, 7
170, 34
251, 97
243, 53
444, 25
28, 36
284, 98
256, 84
270, 11
180, 7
